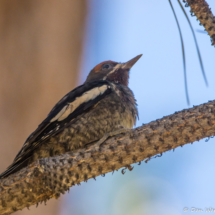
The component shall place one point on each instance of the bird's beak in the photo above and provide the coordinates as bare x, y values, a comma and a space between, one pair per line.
131, 62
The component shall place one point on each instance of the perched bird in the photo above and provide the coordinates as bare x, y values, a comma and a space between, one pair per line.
103, 104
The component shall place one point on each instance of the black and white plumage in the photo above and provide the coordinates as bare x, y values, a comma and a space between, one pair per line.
104, 103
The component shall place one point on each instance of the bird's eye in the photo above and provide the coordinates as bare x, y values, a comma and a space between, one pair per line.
106, 66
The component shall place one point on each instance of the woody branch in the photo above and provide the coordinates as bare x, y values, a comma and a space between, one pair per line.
49, 177
204, 14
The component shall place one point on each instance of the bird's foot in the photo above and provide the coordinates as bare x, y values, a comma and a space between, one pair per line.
110, 134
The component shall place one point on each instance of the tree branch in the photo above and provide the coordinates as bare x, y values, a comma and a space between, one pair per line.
203, 13
49, 177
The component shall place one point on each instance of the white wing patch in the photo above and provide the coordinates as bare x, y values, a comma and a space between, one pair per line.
62, 111
85, 97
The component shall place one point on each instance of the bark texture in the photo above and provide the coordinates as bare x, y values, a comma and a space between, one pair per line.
201, 10
50, 177
40, 52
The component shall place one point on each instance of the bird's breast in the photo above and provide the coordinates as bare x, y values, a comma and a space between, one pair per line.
116, 110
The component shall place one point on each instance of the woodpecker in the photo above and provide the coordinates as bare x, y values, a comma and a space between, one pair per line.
103, 104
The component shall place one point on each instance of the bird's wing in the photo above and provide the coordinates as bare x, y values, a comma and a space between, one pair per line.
76, 102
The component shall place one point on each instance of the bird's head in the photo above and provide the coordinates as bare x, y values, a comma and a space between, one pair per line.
112, 71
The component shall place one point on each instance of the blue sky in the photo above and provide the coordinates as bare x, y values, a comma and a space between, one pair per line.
119, 30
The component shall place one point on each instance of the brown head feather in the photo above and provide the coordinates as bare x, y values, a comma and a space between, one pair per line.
99, 66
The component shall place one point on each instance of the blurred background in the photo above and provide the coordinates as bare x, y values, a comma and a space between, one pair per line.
48, 47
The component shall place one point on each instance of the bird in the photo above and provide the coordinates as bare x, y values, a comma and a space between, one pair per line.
102, 104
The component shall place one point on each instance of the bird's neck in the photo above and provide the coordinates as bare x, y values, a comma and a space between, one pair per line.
120, 76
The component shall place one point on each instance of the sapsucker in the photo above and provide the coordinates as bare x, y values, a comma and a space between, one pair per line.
103, 104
